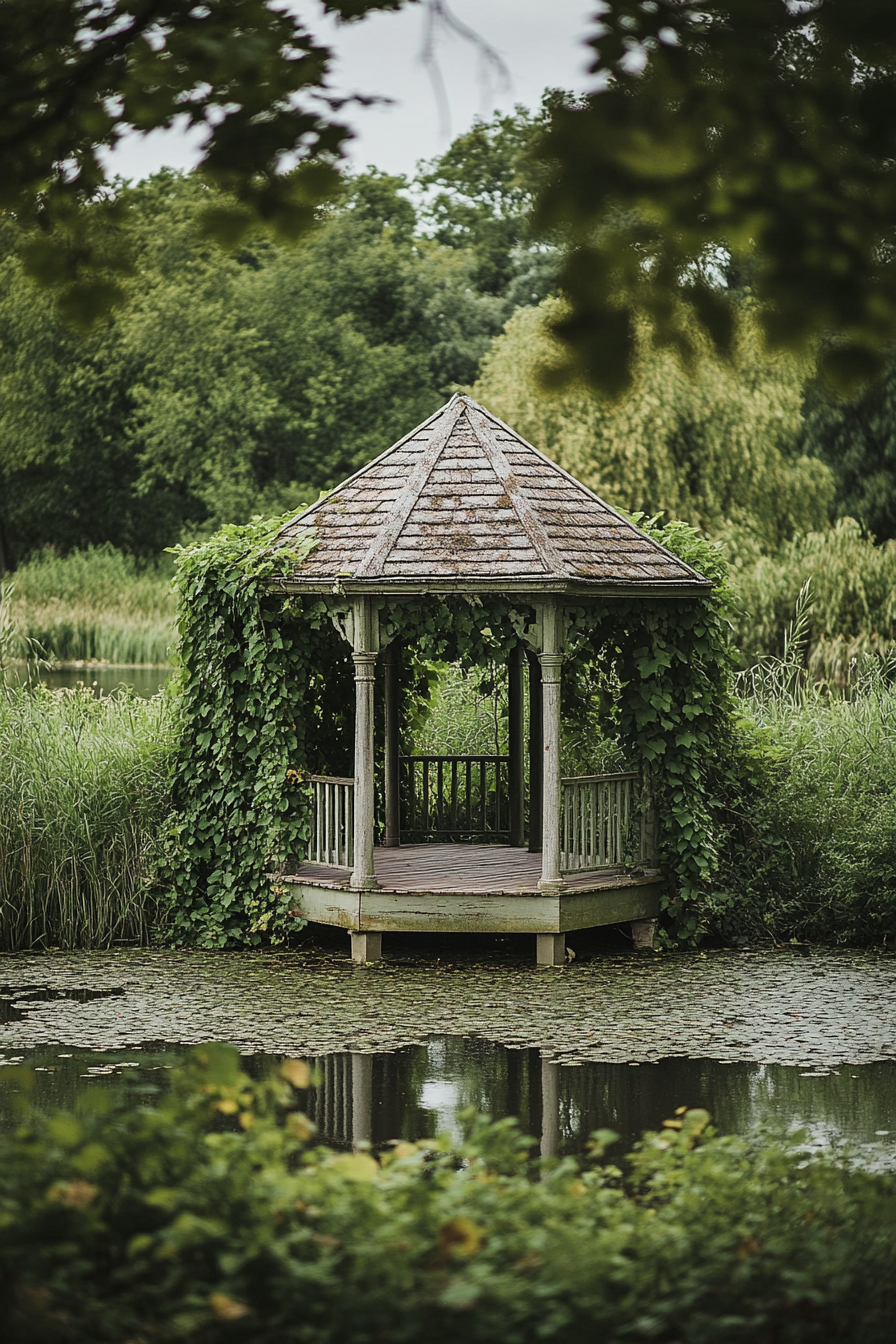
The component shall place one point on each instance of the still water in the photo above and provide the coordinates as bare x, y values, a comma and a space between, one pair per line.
144, 681
420, 1091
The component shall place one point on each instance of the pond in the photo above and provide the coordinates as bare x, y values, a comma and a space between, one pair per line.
402, 1048
103, 678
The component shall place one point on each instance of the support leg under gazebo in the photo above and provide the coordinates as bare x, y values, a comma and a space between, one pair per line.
367, 947
550, 949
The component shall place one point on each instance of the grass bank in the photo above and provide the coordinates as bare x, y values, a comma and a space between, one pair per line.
83, 796
809, 853
209, 1215
95, 604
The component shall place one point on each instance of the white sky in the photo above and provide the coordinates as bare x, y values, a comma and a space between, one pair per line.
540, 41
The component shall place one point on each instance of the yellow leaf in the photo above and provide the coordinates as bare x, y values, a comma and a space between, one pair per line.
297, 1072
300, 1126
356, 1166
227, 1106
226, 1308
73, 1194
460, 1236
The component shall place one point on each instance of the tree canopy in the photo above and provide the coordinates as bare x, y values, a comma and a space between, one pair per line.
228, 384
80, 74
728, 140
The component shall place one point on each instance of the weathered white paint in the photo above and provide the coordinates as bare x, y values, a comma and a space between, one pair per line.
551, 660
364, 644
596, 817
629, 898
551, 949
643, 934
367, 947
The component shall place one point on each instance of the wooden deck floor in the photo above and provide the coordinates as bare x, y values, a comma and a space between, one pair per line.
459, 870
469, 888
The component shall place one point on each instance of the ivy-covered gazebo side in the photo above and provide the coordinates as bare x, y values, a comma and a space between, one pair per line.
461, 543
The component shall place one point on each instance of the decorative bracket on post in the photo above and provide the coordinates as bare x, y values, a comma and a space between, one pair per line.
343, 616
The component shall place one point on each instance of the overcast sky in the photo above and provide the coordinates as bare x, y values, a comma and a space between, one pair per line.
540, 42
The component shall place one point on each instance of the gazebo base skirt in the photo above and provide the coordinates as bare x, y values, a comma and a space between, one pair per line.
471, 889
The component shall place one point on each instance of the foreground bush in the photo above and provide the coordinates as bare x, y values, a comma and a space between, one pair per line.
83, 796
210, 1216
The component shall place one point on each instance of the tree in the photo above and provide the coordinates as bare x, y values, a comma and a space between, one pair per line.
227, 384
718, 448
79, 74
480, 195
857, 438
753, 135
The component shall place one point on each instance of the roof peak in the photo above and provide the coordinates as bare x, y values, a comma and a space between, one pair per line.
464, 498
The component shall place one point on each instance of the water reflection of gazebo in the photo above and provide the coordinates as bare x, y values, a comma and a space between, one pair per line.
463, 507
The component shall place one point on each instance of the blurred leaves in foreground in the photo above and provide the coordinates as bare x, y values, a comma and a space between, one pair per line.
208, 1214
78, 76
729, 142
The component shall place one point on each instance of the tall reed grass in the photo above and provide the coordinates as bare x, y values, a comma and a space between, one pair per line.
817, 860
83, 796
95, 604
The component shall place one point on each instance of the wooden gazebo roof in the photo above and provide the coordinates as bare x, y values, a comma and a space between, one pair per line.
464, 504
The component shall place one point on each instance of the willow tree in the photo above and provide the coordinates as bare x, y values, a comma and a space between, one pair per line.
716, 445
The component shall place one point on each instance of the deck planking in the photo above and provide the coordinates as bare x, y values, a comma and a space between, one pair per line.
458, 869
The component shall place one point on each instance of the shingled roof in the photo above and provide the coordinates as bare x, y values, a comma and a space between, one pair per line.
463, 503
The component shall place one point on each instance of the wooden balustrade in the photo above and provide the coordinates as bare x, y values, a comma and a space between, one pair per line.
454, 797
333, 835
597, 821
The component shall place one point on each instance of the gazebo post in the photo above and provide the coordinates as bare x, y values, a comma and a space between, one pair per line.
364, 655
515, 781
536, 753
551, 660
391, 781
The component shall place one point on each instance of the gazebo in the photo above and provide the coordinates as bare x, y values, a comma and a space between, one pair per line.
463, 507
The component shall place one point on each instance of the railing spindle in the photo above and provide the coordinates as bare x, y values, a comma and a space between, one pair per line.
332, 836
597, 815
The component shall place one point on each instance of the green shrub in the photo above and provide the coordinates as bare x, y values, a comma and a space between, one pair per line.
208, 1215
83, 795
96, 603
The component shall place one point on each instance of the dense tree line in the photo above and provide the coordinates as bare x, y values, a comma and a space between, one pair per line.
243, 382
232, 384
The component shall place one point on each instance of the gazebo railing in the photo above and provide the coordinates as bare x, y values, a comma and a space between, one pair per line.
333, 829
454, 797
601, 821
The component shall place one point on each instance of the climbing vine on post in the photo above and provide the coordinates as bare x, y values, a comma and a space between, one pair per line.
238, 812
674, 714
